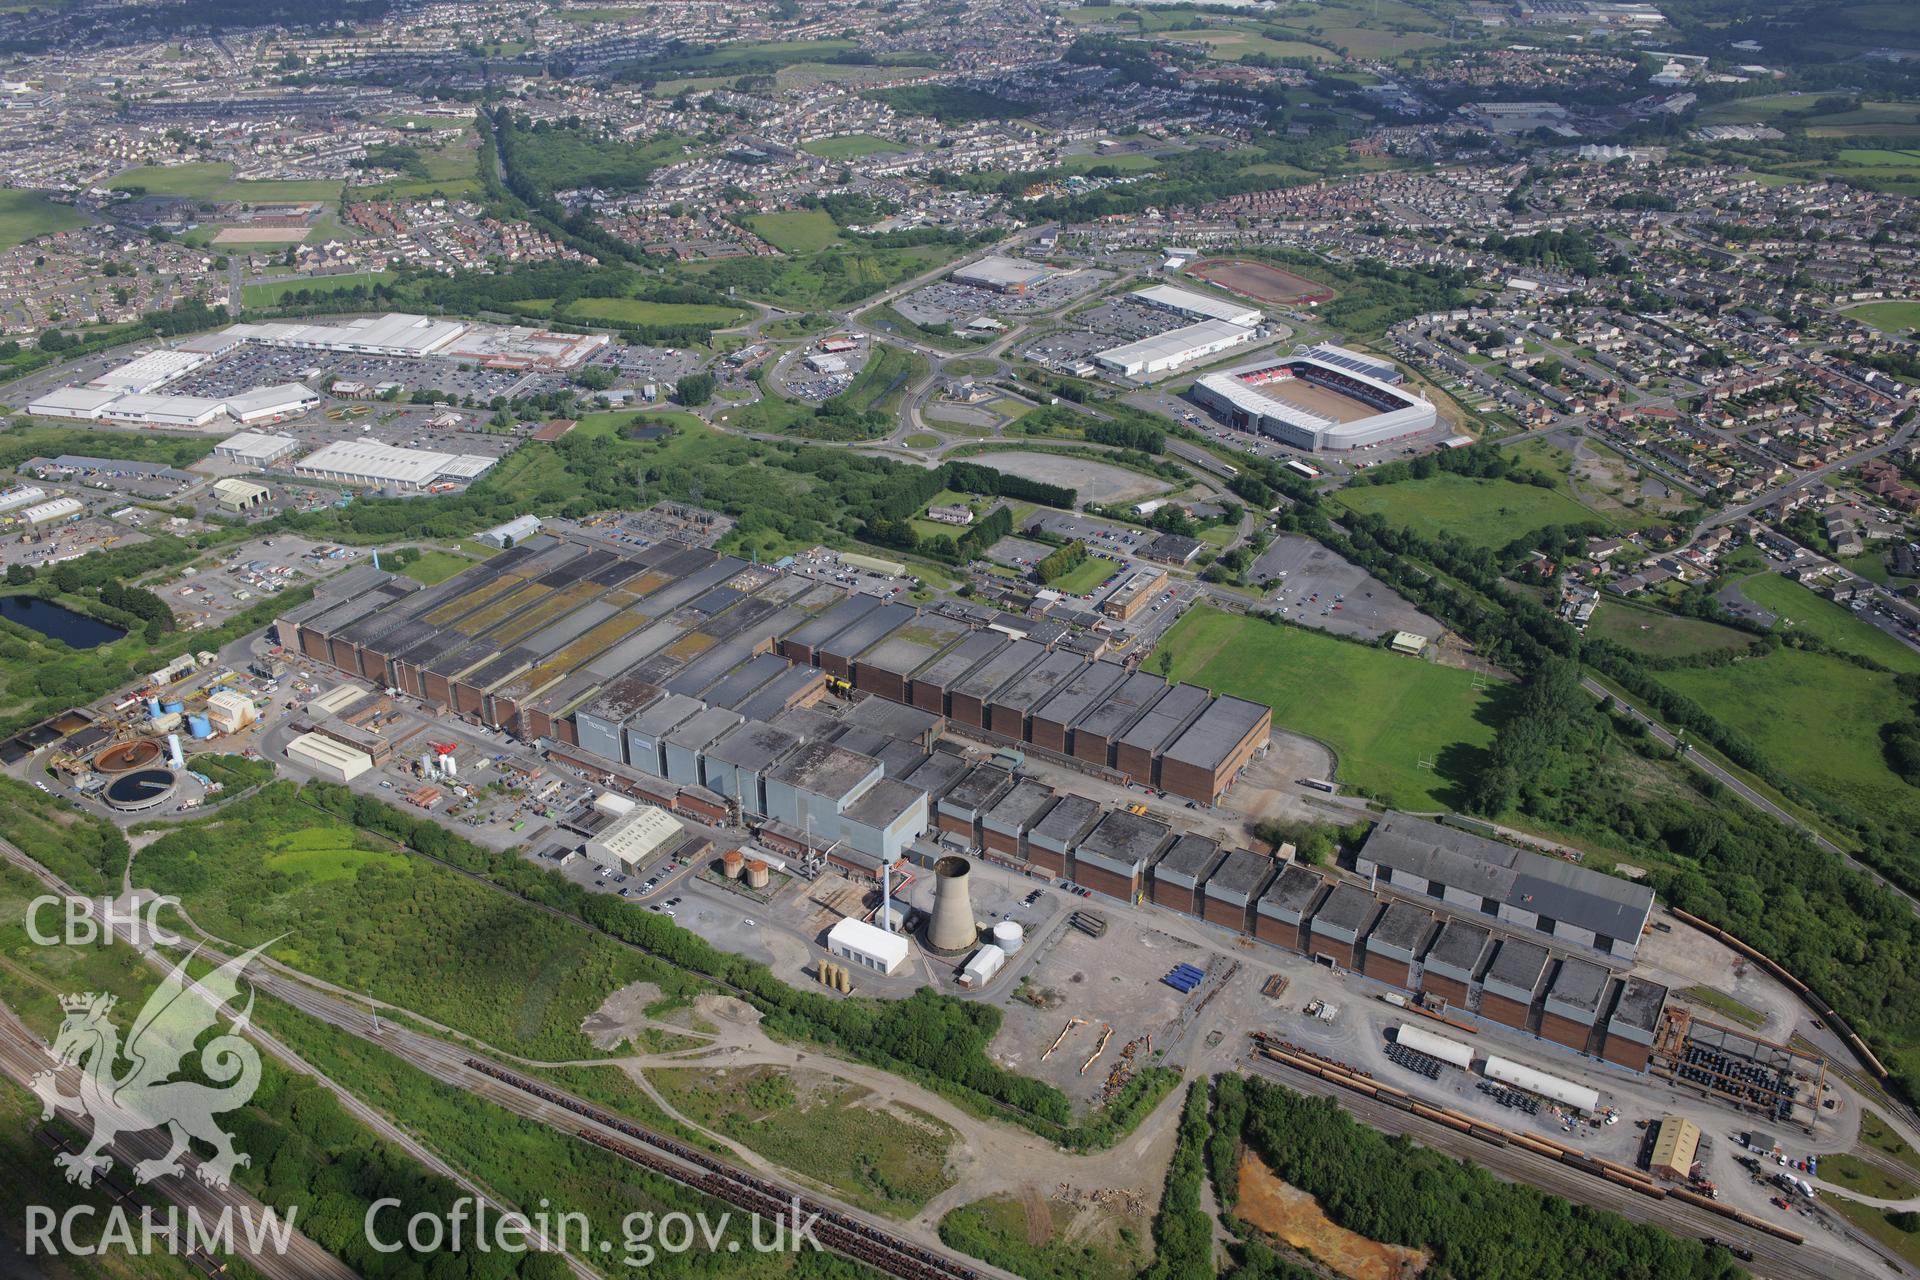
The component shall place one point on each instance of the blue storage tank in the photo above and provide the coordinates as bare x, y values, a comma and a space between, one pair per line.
173, 707
153, 708
199, 727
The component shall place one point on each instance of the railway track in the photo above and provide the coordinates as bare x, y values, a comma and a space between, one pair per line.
839, 1231
22, 1056
1776, 1252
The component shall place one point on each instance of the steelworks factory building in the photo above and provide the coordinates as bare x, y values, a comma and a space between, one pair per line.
689, 679
576, 640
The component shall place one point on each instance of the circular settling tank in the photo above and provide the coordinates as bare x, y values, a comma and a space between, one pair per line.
122, 757
142, 789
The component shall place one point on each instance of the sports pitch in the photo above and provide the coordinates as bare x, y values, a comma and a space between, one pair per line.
1407, 731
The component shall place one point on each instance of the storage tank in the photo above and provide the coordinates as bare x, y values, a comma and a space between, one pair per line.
153, 708
1521, 1076
756, 874
172, 708
613, 805
1420, 1040
1009, 936
451, 765
199, 726
426, 763
174, 756
732, 863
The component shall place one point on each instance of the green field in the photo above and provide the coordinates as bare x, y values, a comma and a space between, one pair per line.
1844, 1169
1001, 1229
1655, 633
1231, 45
328, 853
1123, 162
390, 924
452, 170
26, 214
638, 311
1817, 719
1083, 577
435, 567
271, 295
1816, 615
1892, 317
795, 230
885, 1158
853, 146
213, 180
1488, 513
1383, 712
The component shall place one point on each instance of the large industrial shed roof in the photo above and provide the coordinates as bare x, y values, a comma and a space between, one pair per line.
1187, 861
1032, 686
864, 632
1126, 838
816, 631
1167, 717
1218, 732
1084, 690
983, 680
1121, 707
947, 668
909, 646
1240, 877
1528, 881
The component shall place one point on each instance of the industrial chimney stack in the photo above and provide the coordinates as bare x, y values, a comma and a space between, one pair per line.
951, 929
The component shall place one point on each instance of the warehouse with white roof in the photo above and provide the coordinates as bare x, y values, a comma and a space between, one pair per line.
255, 448
394, 334
272, 404
1170, 350
372, 464
1197, 306
1003, 275
163, 411
152, 371
867, 945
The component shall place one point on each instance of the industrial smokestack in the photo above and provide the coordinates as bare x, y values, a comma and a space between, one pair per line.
886, 896
951, 929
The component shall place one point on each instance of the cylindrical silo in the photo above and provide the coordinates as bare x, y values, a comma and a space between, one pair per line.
951, 927
732, 863
756, 874
1008, 936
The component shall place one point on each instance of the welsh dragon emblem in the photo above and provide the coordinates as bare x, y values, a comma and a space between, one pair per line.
144, 1095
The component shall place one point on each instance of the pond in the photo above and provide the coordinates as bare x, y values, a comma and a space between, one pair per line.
57, 622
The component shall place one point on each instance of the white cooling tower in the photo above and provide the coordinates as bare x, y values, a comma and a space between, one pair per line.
951, 929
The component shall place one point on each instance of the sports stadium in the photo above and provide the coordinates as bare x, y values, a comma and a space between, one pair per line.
1311, 402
